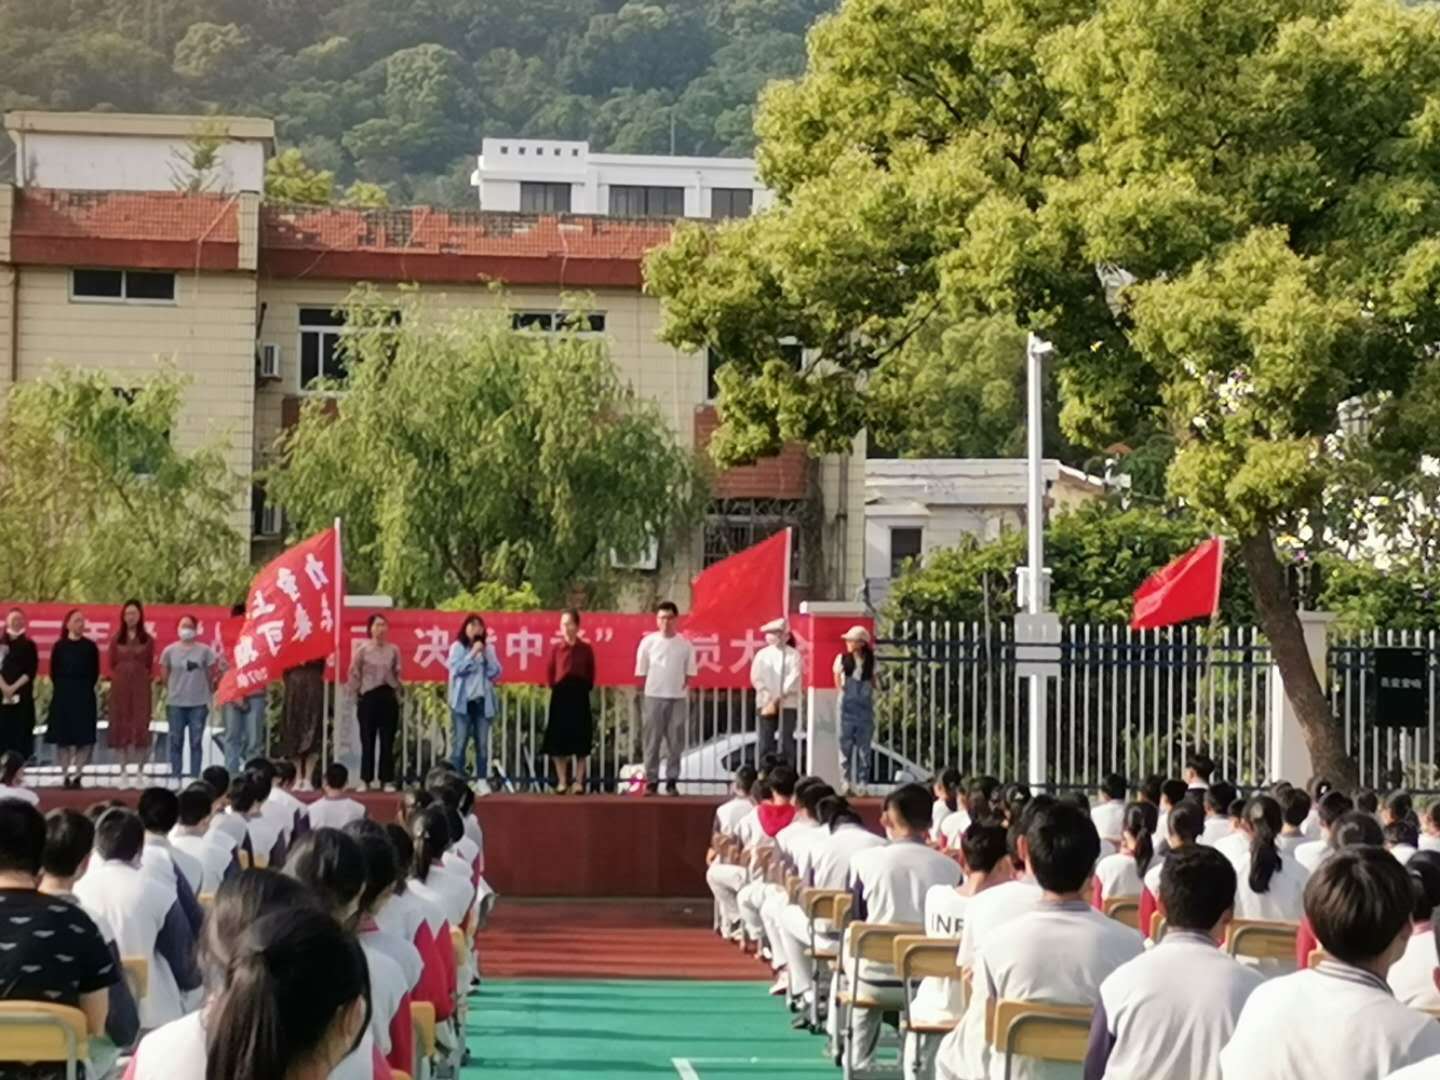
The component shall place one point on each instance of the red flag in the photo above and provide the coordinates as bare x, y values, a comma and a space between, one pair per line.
1187, 588
291, 617
747, 589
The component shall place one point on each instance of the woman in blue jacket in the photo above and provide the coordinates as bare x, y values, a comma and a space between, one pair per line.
474, 669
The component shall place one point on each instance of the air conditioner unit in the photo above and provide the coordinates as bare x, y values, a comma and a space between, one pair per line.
272, 521
269, 361
649, 559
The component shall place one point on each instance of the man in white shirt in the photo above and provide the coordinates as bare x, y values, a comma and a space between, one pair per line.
775, 675
666, 662
1109, 814
334, 809
1167, 1014
1340, 1017
191, 835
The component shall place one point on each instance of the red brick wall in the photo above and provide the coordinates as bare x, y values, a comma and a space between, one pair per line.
783, 476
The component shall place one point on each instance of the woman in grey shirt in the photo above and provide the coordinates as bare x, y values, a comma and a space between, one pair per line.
189, 668
375, 686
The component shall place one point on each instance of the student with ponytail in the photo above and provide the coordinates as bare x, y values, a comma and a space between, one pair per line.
1269, 886
452, 894
1413, 976
1123, 874
947, 787
418, 921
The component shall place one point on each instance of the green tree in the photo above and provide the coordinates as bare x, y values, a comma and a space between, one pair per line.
288, 179
1223, 212
464, 452
100, 505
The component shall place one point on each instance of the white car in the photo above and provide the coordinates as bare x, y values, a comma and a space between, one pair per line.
707, 768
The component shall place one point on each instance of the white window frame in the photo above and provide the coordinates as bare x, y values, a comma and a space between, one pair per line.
140, 301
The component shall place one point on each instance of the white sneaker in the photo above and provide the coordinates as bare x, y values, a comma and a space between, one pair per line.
782, 985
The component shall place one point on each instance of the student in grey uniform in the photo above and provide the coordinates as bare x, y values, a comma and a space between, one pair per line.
1339, 1018
1167, 1014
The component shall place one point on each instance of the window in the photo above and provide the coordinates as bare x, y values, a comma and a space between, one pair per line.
730, 203
320, 355
792, 352
592, 322
645, 201
905, 546
122, 286
536, 198
732, 525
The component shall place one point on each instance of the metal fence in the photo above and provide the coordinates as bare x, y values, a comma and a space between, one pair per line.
1388, 757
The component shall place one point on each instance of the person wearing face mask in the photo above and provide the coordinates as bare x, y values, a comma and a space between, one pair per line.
19, 664
189, 668
74, 675
569, 729
775, 675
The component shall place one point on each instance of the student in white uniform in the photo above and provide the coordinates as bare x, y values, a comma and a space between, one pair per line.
1402, 839
283, 794
334, 809
729, 813
1294, 813
1199, 768
948, 788
889, 885
726, 879
1218, 825
785, 789
1186, 823
977, 805
1414, 977
1123, 874
191, 835
794, 842
1062, 949
1430, 827
270, 806
159, 810
12, 779
1167, 1014
454, 896
1270, 886
1332, 807
1339, 1018
1172, 793
1109, 813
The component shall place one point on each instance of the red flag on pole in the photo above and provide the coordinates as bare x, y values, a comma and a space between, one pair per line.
748, 589
291, 617
1187, 588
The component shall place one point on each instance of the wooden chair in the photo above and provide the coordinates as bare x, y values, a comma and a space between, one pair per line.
1317, 954
137, 974
1262, 939
422, 1020
207, 900
818, 904
1036, 1030
1157, 927
918, 957
1124, 909
41, 1033
874, 942
243, 858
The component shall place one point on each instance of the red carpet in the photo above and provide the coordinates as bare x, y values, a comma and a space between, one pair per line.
609, 940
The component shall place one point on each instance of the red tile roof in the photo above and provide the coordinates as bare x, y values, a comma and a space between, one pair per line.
147, 230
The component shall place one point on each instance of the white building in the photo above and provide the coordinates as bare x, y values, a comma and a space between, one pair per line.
916, 506
137, 152
552, 176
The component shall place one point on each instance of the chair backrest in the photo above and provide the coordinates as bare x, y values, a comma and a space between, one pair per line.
1157, 927
33, 1031
243, 858
819, 903
876, 941
920, 957
793, 887
1317, 954
1262, 939
422, 1019
137, 974
843, 905
1124, 909
262, 862
207, 900
1038, 1030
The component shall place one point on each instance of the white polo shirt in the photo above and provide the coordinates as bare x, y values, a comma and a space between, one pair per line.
387, 987
952, 828
1282, 901
665, 663
176, 1051
728, 815
1119, 875
937, 1000
894, 880
1109, 819
230, 827
1312, 853
20, 794
1413, 976
826, 863
264, 834
163, 860
209, 850
333, 813
1217, 827
136, 905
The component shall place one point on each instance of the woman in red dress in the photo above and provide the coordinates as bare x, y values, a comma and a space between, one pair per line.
569, 729
132, 662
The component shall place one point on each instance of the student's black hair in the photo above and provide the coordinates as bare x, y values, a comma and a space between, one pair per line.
1399, 805
1424, 871
1402, 832
1014, 796
1063, 846
782, 781
1172, 791
404, 851
382, 868
1077, 798
768, 761
810, 799
834, 811
292, 976
911, 803
979, 798
11, 762
1114, 786
285, 772
1278, 788
1294, 806
804, 784
195, 804
1366, 801
455, 823
261, 775
22, 837
122, 636
1262, 814
1140, 821
242, 794
1187, 821
119, 834
1432, 813
1318, 787
1359, 901
331, 863
761, 791
159, 809
1197, 887
96, 810
982, 846
218, 777
239, 901
745, 779
1357, 829
952, 783
1333, 805
261, 764
1151, 788
430, 833
69, 837
1219, 796
667, 605
1237, 809
336, 776
866, 653
1202, 764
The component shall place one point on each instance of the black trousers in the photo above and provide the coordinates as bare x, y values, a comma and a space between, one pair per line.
378, 711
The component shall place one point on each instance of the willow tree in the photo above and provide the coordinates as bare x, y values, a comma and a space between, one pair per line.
1225, 213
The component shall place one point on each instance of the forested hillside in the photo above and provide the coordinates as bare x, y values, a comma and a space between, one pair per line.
400, 92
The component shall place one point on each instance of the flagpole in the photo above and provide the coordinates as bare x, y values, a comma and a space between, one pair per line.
337, 621
785, 641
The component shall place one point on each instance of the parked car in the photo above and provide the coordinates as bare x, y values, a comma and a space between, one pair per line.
707, 768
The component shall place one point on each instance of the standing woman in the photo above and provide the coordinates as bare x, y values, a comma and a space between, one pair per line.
569, 729
855, 679
190, 669
19, 665
74, 674
302, 716
375, 686
474, 668
132, 661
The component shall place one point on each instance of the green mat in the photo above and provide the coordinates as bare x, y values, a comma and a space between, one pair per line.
600, 1030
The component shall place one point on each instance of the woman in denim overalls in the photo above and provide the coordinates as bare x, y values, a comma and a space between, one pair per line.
855, 679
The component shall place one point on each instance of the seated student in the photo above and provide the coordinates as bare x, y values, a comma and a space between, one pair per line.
1150, 790
1354, 829
1367, 802
35, 929
69, 836
728, 814
12, 779
1332, 806
1167, 1014
159, 810
948, 788
334, 809
1339, 1018
452, 895
1062, 949
262, 839
270, 808
283, 793
772, 815
726, 879
1109, 813
418, 921
1414, 978
975, 805
1270, 886
229, 829
1294, 813
1171, 794
1402, 839
1430, 827
1317, 787
192, 836
1234, 844
793, 842
1186, 823
1217, 800
889, 885
1123, 874
144, 913
1198, 770
1398, 806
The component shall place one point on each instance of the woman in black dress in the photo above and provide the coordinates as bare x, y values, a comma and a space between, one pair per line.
74, 674
19, 665
569, 729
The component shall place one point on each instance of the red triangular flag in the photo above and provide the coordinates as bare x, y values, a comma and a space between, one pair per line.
1187, 588
747, 589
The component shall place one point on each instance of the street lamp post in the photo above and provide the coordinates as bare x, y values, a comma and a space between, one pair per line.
1036, 350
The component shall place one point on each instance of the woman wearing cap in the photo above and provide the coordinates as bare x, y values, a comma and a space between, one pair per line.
855, 679
775, 675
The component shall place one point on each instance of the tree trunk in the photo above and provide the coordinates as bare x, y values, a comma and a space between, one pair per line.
1278, 619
